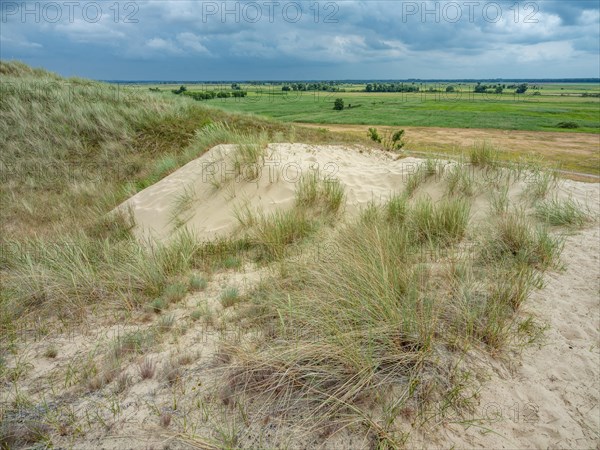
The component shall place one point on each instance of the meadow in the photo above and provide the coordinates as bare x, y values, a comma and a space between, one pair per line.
463, 108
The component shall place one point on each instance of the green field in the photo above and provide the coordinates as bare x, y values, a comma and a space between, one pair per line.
541, 109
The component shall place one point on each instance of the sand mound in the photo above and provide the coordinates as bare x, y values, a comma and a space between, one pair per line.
206, 192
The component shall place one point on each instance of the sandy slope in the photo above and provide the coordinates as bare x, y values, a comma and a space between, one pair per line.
549, 396
367, 175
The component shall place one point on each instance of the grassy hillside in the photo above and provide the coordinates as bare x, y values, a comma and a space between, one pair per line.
71, 146
72, 150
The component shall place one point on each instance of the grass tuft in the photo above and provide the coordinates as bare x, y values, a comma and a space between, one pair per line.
559, 212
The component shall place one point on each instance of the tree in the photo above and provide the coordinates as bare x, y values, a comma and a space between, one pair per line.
369, 88
338, 104
285, 88
450, 89
480, 88
522, 88
180, 90
498, 89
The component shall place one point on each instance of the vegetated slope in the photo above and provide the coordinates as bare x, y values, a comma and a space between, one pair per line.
73, 149
66, 140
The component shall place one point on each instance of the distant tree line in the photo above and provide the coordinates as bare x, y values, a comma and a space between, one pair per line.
391, 87
329, 86
209, 95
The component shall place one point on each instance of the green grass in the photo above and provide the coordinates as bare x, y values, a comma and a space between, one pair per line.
557, 212
314, 191
535, 113
515, 239
390, 312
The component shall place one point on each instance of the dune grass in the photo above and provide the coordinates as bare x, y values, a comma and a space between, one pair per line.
74, 149
390, 312
562, 212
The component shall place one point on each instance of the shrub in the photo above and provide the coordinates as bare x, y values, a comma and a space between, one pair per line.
197, 283
374, 135
570, 125
338, 105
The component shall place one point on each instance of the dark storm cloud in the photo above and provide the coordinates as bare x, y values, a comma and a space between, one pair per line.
269, 40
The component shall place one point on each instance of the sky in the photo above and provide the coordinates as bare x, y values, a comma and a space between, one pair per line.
298, 40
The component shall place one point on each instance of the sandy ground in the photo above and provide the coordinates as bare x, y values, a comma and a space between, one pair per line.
545, 397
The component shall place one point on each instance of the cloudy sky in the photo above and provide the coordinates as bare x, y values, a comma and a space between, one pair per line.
273, 40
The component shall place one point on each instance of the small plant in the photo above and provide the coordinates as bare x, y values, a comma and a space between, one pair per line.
273, 234
195, 315
338, 105
230, 297
123, 382
374, 135
134, 342
174, 293
397, 209
232, 262
197, 283
424, 171
516, 240
392, 141
441, 223
539, 184
483, 155
165, 323
51, 352
158, 305
459, 180
499, 201
147, 368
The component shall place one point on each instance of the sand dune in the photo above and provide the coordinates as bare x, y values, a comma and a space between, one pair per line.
546, 397
366, 175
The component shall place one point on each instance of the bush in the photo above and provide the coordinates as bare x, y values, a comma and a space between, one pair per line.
374, 135
338, 104
570, 125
